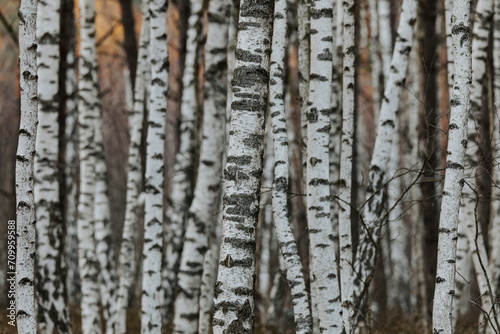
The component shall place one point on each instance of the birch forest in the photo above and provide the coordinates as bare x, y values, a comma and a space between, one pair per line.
250, 166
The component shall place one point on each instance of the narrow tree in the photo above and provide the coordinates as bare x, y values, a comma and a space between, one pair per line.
460, 102
203, 213
234, 304
88, 110
284, 233
153, 221
25, 201
127, 265
373, 211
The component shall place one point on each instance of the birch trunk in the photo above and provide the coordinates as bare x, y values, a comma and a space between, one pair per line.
346, 165
104, 251
322, 250
151, 301
88, 110
385, 35
445, 276
473, 165
495, 193
284, 233
375, 58
448, 5
234, 305
181, 186
376, 195
203, 213
25, 201
127, 266
303, 20
71, 173
52, 307
415, 164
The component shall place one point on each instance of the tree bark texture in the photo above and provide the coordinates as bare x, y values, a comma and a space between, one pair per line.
234, 305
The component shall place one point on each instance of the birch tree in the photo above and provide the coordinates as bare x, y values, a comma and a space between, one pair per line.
284, 233
181, 186
153, 221
495, 221
376, 194
203, 213
25, 201
460, 102
127, 265
52, 307
346, 164
234, 305
324, 264
88, 110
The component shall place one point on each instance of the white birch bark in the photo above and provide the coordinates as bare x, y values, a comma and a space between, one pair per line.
322, 250
181, 184
151, 301
102, 233
234, 305
445, 276
495, 192
376, 195
203, 213
303, 21
71, 177
346, 164
385, 37
52, 307
88, 110
473, 165
127, 266
375, 58
284, 232
448, 4
25, 202
463, 271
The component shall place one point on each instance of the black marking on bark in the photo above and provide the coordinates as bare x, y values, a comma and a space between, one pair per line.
312, 115
453, 126
261, 9
247, 56
240, 243
249, 76
454, 165
318, 181
323, 12
241, 204
315, 76
326, 55
254, 140
455, 102
241, 160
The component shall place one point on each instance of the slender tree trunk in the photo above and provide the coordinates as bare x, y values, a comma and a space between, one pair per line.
127, 266
445, 276
52, 307
181, 186
88, 110
385, 37
324, 264
375, 58
284, 233
346, 167
234, 305
25, 201
495, 211
448, 4
376, 194
151, 302
203, 213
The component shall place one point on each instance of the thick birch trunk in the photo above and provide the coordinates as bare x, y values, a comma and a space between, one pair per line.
203, 213
127, 266
52, 308
303, 36
284, 233
151, 302
346, 166
322, 250
376, 195
181, 186
448, 224
88, 110
234, 305
25, 201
